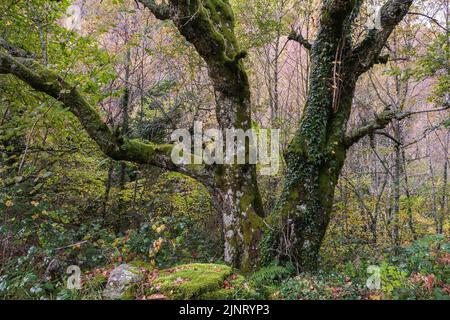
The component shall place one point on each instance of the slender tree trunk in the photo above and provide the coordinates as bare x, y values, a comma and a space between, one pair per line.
411, 223
274, 112
444, 200
434, 195
397, 172
108, 185
42, 40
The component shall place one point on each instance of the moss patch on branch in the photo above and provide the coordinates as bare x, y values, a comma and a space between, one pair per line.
144, 152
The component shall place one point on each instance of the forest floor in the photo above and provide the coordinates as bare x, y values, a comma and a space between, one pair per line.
419, 271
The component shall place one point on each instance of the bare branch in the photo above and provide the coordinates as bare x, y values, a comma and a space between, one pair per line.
431, 18
381, 121
387, 135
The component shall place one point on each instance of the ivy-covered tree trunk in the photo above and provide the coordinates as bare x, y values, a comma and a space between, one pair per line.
317, 153
313, 169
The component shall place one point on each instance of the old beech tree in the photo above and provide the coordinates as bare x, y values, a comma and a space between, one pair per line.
316, 154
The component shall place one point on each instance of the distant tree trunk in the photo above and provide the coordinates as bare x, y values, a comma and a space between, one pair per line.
273, 82
444, 199
41, 32
275, 99
108, 185
411, 223
396, 183
434, 205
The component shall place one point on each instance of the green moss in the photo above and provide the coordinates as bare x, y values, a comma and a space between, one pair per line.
130, 294
253, 221
237, 288
141, 264
190, 281
222, 18
144, 152
221, 294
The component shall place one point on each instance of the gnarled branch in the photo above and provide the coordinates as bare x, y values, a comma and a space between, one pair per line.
46, 81
367, 53
161, 11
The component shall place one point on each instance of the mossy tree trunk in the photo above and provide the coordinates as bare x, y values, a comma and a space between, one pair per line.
235, 186
209, 27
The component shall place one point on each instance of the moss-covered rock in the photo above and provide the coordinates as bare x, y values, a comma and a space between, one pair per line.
190, 281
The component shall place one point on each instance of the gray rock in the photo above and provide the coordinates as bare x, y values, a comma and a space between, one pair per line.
120, 280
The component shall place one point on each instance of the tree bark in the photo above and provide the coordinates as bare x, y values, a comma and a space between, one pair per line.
409, 209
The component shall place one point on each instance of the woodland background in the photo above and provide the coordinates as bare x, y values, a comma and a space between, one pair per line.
63, 202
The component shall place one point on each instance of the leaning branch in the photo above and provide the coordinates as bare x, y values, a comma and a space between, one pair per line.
118, 148
430, 18
381, 121
16, 52
297, 37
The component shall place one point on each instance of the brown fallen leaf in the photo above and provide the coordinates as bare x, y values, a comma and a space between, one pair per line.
156, 296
